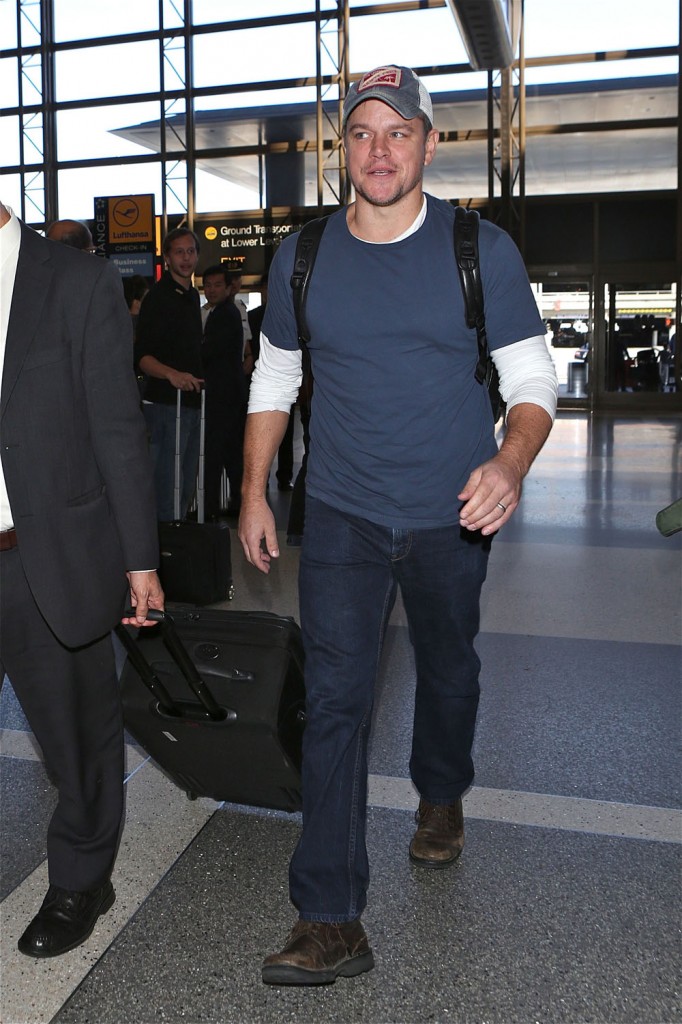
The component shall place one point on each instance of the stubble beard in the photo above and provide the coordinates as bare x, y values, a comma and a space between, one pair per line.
395, 197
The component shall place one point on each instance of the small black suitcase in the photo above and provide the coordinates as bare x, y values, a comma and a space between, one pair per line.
196, 558
217, 698
196, 562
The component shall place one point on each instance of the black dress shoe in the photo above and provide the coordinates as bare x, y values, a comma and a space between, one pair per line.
285, 485
65, 920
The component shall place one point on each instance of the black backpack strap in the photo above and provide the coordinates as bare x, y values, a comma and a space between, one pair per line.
466, 254
307, 244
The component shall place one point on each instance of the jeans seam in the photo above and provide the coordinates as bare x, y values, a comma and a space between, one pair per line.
353, 833
360, 746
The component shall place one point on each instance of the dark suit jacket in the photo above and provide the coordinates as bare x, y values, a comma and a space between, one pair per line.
255, 323
74, 449
222, 356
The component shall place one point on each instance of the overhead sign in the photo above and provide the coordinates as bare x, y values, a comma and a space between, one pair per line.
246, 242
125, 230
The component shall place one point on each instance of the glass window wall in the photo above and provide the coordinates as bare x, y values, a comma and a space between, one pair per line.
94, 132
98, 71
83, 19
583, 161
207, 12
9, 82
79, 186
9, 140
423, 38
255, 55
554, 27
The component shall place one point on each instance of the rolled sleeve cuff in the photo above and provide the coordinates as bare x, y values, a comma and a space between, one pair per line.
527, 374
276, 378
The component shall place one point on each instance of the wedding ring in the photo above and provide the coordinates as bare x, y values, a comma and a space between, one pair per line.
503, 507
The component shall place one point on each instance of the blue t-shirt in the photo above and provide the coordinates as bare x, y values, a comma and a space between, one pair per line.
398, 418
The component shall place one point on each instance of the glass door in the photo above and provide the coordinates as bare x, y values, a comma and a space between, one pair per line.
566, 307
639, 339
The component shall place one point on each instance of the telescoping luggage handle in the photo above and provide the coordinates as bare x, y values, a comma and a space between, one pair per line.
178, 461
183, 661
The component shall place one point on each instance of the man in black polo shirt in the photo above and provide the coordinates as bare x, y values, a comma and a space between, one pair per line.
168, 351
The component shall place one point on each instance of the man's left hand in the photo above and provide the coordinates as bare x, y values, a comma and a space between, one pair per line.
491, 494
145, 593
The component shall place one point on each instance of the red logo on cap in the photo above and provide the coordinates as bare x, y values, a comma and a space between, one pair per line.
381, 76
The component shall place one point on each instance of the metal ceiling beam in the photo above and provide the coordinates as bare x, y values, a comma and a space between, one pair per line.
331, 168
489, 31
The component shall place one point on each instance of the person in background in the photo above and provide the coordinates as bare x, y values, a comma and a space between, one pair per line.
168, 352
73, 233
78, 541
226, 392
135, 289
237, 283
255, 317
405, 488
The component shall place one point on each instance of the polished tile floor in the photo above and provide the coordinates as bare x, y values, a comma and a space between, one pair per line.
565, 907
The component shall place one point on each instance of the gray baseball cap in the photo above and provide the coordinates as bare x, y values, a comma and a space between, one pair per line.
397, 86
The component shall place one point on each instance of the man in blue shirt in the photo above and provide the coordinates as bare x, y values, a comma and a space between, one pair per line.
406, 487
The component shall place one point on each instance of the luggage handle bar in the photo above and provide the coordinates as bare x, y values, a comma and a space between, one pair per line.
200, 490
181, 658
146, 673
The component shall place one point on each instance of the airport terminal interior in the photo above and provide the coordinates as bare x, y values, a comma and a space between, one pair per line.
565, 906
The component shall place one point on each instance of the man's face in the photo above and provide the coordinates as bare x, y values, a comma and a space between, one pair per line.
385, 153
181, 259
216, 289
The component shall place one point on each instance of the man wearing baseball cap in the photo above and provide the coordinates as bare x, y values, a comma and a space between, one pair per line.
405, 489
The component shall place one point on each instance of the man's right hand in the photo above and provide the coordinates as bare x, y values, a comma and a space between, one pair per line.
184, 381
257, 524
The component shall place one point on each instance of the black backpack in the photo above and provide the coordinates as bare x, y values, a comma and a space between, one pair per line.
466, 254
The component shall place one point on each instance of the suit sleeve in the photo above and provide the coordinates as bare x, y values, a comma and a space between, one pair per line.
115, 421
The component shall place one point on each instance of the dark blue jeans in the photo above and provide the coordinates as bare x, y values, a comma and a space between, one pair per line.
349, 574
161, 430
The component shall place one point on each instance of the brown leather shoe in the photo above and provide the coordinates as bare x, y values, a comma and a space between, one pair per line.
439, 838
317, 953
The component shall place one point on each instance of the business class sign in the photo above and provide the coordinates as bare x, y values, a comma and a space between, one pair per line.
125, 230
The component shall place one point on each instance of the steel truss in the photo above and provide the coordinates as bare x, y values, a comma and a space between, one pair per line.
37, 106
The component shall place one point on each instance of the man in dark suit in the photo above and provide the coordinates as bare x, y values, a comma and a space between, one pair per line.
76, 517
226, 390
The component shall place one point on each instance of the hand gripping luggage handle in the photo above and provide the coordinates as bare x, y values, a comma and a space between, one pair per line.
181, 658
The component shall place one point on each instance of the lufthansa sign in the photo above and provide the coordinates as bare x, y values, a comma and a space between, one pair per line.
124, 228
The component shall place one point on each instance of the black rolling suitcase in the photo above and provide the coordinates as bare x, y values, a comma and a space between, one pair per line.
196, 561
217, 698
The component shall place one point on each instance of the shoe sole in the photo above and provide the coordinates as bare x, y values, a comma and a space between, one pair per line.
283, 974
107, 904
424, 863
